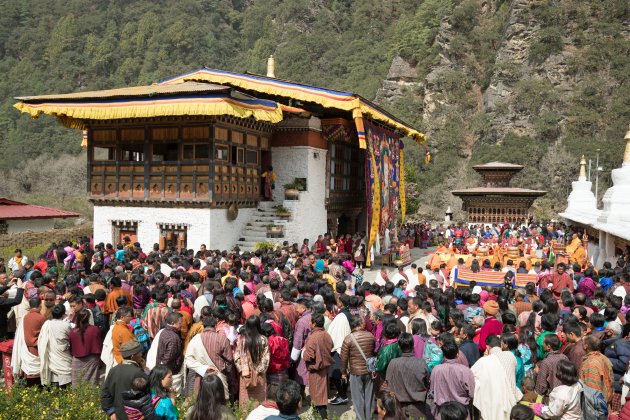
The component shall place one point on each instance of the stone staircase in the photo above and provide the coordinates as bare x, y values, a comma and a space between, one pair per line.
256, 229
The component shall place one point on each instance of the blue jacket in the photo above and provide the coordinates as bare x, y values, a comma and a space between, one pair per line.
618, 352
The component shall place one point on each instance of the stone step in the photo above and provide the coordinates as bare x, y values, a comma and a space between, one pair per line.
267, 219
255, 229
255, 238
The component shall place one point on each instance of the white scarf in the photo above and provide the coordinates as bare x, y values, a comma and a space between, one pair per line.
197, 359
493, 391
339, 329
106, 353
23, 360
53, 344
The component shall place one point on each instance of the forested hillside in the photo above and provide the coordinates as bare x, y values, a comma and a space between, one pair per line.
536, 82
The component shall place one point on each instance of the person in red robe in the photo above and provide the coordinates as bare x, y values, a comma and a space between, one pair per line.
347, 245
559, 280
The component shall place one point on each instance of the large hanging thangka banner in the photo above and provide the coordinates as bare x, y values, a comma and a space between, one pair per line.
383, 168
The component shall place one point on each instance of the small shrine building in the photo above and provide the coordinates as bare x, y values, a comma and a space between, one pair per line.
180, 162
497, 202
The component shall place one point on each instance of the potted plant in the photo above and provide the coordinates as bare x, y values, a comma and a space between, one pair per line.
266, 246
274, 230
291, 191
282, 212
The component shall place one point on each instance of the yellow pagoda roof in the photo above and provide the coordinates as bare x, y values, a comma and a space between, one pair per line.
209, 92
279, 90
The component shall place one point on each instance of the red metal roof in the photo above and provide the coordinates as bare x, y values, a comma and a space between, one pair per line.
12, 210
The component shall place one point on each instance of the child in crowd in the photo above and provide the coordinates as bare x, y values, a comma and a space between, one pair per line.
137, 400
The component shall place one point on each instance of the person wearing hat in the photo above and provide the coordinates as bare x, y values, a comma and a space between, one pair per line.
491, 326
120, 378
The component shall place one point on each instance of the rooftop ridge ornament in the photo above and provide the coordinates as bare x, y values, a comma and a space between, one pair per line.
271, 67
582, 176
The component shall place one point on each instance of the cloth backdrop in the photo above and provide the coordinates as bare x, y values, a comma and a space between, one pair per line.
383, 178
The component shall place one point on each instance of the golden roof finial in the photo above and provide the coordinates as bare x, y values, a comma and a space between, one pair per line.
271, 67
582, 168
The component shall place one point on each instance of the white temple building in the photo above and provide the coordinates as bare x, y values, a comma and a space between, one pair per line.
608, 229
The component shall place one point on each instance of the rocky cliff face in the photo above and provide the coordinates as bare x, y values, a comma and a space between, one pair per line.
522, 81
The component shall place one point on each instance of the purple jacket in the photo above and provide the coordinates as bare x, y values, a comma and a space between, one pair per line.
141, 297
587, 286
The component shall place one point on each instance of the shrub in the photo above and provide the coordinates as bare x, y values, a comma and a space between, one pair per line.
547, 43
51, 403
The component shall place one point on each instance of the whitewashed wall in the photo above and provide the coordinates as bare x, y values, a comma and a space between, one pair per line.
309, 212
205, 226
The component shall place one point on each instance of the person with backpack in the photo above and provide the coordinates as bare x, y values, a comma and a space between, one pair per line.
596, 371
141, 335
357, 359
565, 399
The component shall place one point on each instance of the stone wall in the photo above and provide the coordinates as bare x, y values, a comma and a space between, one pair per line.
31, 225
30, 239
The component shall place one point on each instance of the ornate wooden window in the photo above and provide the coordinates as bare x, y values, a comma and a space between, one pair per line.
4, 227
221, 153
345, 168
173, 235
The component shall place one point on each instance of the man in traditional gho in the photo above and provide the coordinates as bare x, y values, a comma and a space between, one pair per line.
317, 358
120, 332
54, 349
119, 380
209, 352
111, 305
339, 329
167, 349
25, 361
450, 380
407, 377
302, 331
495, 382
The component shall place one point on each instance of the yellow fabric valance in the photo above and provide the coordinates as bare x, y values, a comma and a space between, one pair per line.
74, 114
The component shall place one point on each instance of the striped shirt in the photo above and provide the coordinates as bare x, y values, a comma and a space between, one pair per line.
218, 348
597, 373
154, 318
546, 379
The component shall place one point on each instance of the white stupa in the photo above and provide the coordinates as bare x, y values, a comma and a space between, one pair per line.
615, 217
581, 203
614, 220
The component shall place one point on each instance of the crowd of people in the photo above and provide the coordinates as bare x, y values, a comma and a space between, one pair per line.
274, 331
